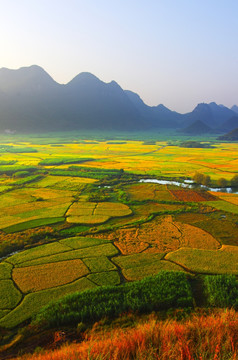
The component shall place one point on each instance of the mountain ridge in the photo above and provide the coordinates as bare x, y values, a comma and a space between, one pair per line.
31, 100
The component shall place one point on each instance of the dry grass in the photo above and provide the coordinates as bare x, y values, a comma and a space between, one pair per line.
40, 277
150, 338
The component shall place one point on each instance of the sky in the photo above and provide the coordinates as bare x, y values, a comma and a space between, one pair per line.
173, 52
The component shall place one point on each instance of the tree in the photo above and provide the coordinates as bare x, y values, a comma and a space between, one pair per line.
206, 180
222, 182
198, 177
234, 181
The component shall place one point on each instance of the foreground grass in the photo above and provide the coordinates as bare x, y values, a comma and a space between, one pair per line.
199, 337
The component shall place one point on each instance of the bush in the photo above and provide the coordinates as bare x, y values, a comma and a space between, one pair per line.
221, 290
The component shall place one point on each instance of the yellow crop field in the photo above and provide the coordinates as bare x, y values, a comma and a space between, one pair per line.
88, 219
63, 182
196, 238
223, 261
39, 277
138, 266
95, 213
232, 198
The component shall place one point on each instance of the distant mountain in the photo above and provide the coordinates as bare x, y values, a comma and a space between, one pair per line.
197, 128
235, 108
211, 114
31, 101
156, 116
231, 136
230, 124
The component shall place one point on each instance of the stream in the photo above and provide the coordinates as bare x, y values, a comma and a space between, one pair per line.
189, 184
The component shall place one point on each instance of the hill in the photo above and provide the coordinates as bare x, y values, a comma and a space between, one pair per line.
211, 114
230, 136
197, 128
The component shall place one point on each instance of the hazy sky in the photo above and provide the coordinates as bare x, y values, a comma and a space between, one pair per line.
175, 52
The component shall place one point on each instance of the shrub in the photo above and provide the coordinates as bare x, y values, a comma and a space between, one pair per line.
221, 290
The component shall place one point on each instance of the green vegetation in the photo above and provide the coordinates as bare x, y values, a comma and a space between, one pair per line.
105, 278
223, 205
20, 150
99, 264
7, 162
32, 224
10, 296
21, 174
138, 266
38, 252
79, 242
62, 161
16, 149
105, 175
26, 180
207, 261
33, 302
160, 292
11, 169
195, 144
5, 271
234, 181
222, 182
221, 290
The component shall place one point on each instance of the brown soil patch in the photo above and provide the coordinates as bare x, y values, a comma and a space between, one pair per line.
192, 196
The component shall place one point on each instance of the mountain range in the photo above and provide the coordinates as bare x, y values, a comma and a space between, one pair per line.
31, 101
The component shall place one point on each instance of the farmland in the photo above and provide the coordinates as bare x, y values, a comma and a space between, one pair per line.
75, 216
